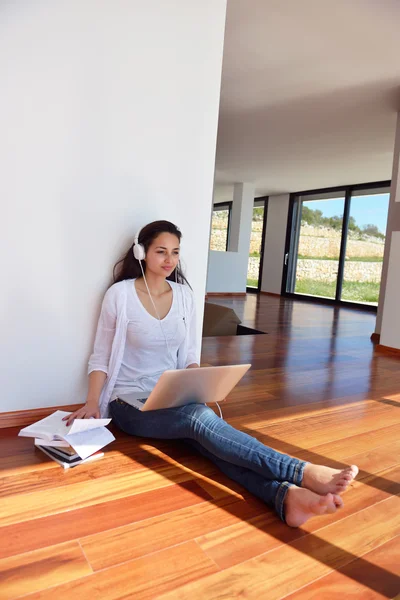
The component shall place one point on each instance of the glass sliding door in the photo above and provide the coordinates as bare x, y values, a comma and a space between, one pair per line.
335, 243
256, 244
365, 242
315, 253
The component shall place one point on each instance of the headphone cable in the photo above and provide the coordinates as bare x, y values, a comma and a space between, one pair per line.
158, 316
165, 337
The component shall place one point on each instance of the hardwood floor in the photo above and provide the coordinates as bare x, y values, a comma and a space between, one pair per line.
157, 520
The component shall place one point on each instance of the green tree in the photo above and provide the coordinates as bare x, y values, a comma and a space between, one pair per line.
353, 225
312, 217
335, 222
372, 230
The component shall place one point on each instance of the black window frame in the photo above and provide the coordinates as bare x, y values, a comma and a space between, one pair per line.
347, 193
223, 206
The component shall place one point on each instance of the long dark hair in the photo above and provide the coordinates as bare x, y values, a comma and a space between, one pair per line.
129, 267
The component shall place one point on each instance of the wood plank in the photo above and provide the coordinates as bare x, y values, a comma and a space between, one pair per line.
292, 566
23, 507
124, 457
132, 541
219, 486
233, 545
141, 579
375, 576
361, 416
382, 457
48, 531
311, 431
354, 444
369, 462
34, 571
282, 406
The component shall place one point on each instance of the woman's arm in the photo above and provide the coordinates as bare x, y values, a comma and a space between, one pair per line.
98, 362
96, 383
91, 407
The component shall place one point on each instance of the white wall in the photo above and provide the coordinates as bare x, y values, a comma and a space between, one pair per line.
390, 332
227, 271
393, 224
108, 115
387, 321
225, 274
274, 249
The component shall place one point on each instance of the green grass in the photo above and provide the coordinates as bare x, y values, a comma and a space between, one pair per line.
352, 259
352, 291
252, 283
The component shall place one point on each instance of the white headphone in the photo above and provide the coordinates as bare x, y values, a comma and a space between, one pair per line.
138, 249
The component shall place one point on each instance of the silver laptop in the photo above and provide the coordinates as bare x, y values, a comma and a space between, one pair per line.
187, 386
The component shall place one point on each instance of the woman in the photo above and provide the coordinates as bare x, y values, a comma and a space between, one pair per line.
147, 325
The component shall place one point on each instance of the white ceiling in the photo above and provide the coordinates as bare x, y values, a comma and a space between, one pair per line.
310, 91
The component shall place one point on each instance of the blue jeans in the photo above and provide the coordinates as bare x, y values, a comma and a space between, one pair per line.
263, 471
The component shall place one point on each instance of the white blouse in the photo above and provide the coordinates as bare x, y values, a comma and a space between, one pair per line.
116, 333
151, 346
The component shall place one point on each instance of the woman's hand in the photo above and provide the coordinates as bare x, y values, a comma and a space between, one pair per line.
85, 412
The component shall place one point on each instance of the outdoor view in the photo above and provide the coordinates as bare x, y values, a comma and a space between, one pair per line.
219, 230
219, 236
253, 269
319, 247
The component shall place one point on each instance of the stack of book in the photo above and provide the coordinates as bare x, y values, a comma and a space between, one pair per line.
72, 445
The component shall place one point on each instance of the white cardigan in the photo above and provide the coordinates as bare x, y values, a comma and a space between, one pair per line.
110, 338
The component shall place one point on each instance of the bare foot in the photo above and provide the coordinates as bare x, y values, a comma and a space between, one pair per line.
301, 505
324, 480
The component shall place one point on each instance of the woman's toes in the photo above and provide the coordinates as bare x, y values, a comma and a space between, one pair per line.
335, 503
346, 477
321, 479
338, 501
330, 504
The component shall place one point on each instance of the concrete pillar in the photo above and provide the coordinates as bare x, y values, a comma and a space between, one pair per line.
387, 321
242, 217
274, 249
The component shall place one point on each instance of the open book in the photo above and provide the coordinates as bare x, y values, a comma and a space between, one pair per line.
86, 436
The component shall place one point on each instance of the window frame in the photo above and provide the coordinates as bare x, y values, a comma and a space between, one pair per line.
347, 191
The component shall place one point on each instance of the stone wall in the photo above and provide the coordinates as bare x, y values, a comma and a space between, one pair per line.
218, 240
325, 242
326, 270
253, 268
218, 235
